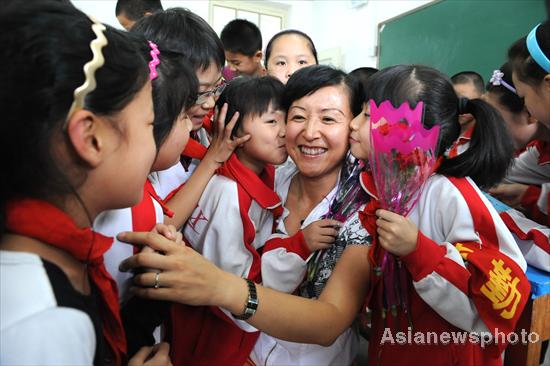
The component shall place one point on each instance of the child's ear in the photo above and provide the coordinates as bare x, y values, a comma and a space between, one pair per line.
84, 134
258, 56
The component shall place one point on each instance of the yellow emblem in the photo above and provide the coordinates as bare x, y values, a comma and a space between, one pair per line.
464, 251
502, 290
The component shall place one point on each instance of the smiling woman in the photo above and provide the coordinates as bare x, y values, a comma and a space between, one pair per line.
320, 103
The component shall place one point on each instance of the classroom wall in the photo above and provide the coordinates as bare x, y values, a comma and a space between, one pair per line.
334, 25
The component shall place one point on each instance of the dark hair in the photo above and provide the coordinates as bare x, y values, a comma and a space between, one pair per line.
490, 151
308, 80
180, 30
310, 43
250, 96
46, 56
136, 9
465, 77
241, 36
363, 74
174, 91
525, 67
506, 97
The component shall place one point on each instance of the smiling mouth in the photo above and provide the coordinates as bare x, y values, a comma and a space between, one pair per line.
312, 151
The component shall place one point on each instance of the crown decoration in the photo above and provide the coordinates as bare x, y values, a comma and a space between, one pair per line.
153, 74
400, 128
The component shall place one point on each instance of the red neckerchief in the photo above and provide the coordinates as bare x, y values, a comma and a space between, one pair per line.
194, 150
42, 221
260, 188
151, 191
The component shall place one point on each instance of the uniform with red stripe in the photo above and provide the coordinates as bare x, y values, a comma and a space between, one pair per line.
231, 223
531, 229
467, 274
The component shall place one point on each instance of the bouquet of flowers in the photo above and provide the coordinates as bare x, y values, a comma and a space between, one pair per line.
402, 157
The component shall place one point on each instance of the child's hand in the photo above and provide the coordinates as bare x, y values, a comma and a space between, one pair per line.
158, 355
169, 232
397, 234
509, 193
222, 145
321, 234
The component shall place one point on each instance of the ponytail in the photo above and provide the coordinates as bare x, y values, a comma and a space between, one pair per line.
490, 151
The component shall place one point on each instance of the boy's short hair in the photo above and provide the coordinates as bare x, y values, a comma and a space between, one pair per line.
136, 9
473, 77
241, 36
180, 30
251, 96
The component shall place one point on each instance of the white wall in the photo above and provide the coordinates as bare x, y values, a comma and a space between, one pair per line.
332, 24
355, 30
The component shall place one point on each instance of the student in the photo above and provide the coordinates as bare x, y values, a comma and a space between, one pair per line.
527, 184
173, 88
77, 106
128, 12
501, 94
468, 84
455, 249
179, 30
242, 43
288, 51
232, 221
363, 74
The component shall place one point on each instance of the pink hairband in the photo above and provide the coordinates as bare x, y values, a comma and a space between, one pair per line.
154, 62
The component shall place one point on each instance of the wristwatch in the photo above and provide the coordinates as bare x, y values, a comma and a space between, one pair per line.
251, 303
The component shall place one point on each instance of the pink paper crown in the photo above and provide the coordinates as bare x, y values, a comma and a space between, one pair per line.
154, 62
402, 129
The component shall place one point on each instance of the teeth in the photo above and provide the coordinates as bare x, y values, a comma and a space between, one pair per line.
312, 150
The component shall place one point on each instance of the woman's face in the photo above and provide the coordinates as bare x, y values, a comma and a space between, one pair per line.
289, 53
360, 134
521, 125
537, 98
317, 131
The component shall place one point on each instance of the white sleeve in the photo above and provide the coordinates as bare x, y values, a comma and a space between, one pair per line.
56, 336
284, 261
440, 275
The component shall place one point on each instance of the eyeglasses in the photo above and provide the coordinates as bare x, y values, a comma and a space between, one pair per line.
216, 92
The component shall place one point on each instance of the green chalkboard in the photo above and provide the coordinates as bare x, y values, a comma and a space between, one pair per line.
458, 35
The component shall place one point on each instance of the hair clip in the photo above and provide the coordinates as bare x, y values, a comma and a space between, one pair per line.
497, 79
536, 53
153, 74
90, 68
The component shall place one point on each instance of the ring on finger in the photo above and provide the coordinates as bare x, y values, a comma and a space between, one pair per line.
157, 280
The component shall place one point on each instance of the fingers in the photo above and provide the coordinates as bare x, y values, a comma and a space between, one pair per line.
155, 240
329, 222
388, 216
168, 231
159, 355
146, 260
221, 120
229, 127
140, 356
240, 140
329, 231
